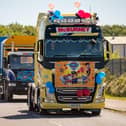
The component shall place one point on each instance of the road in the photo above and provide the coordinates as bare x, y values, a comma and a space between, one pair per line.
16, 114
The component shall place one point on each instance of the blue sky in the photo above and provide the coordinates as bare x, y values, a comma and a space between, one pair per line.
25, 12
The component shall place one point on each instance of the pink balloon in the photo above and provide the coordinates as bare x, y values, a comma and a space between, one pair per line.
51, 6
77, 4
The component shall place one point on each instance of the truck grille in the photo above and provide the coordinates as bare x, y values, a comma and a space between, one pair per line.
69, 95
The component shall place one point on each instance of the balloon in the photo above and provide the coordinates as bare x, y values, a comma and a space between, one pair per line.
51, 90
51, 6
99, 77
50, 86
56, 15
77, 4
83, 14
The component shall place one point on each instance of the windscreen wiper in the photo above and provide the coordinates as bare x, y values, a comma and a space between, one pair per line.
88, 55
60, 56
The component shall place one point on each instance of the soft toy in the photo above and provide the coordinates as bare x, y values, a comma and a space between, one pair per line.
83, 92
83, 14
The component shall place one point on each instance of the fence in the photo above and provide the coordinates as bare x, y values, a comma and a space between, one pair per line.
116, 66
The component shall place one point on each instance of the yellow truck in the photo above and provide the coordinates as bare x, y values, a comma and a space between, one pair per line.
68, 55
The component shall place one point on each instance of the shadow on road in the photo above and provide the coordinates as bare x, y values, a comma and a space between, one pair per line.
14, 101
25, 114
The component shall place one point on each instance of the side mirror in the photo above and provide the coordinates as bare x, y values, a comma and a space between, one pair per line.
40, 50
5, 62
107, 48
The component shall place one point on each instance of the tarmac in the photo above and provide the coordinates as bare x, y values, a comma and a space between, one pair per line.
116, 105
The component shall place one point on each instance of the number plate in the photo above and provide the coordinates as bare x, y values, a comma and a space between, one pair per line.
75, 105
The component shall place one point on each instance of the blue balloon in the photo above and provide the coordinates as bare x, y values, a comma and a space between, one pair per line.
56, 15
50, 86
99, 77
51, 90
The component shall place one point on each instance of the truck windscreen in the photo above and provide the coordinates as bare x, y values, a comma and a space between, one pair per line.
21, 62
73, 42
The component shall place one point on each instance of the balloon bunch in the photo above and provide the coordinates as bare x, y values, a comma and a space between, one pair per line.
54, 14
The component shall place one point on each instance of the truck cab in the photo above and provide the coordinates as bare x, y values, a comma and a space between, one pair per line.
68, 57
20, 72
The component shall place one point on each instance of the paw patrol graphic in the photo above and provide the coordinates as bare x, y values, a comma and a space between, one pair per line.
74, 73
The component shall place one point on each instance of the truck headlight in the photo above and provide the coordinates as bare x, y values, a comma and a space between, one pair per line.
12, 84
100, 91
100, 94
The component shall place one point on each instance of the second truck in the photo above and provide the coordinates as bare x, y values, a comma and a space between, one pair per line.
18, 65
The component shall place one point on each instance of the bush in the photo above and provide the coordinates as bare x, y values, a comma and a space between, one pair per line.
116, 86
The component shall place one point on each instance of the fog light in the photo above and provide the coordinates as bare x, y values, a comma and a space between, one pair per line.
12, 84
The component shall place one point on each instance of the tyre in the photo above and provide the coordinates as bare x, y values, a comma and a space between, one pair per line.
96, 112
43, 111
37, 106
1, 96
30, 100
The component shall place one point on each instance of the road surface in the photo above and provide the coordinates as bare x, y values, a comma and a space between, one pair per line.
16, 114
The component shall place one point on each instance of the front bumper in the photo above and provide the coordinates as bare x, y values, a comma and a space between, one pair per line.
1, 87
72, 106
18, 88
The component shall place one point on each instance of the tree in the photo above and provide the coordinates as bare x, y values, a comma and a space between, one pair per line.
16, 29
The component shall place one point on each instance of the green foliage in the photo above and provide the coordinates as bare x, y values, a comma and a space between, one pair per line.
116, 86
16, 29
114, 30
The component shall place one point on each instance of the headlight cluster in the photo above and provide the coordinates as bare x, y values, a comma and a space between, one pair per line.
99, 80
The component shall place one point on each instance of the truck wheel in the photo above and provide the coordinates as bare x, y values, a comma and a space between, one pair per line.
96, 112
8, 95
30, 100
43, 111
37, 106
2, 97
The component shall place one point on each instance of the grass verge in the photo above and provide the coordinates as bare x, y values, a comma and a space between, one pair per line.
114, 97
